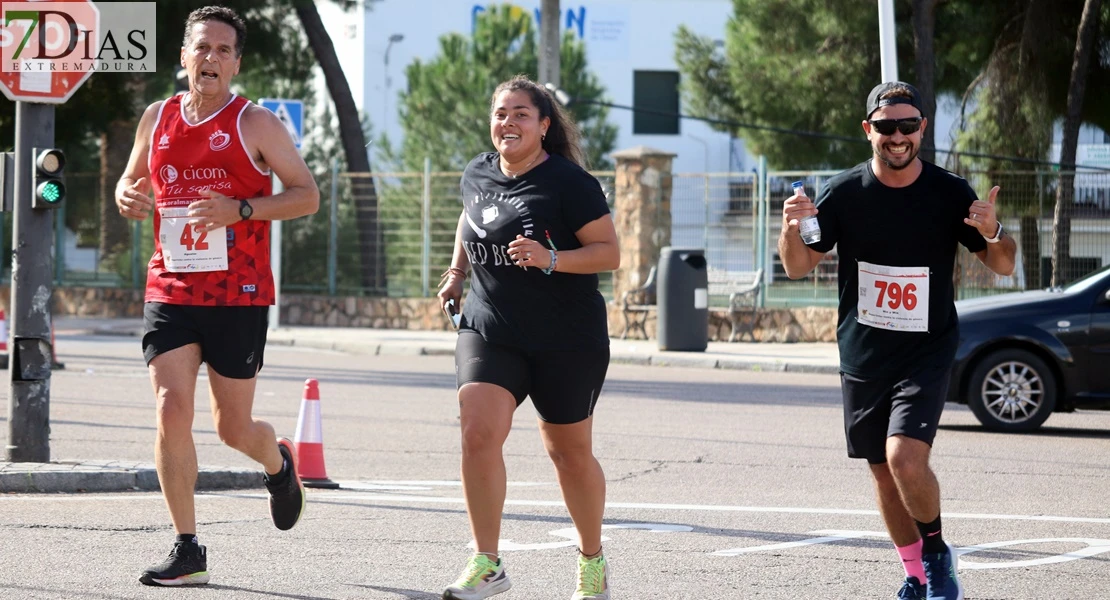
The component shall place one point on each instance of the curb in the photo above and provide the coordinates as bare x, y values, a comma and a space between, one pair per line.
698, 361
372, 349
74, 477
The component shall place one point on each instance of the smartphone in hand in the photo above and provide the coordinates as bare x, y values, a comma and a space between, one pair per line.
452, 314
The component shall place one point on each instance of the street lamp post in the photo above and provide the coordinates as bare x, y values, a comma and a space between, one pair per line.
393, 39
705, 176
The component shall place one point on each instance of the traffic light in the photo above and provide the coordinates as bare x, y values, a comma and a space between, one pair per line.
49, 191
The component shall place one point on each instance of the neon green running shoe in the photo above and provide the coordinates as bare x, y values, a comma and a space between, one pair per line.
593, 579
482, 578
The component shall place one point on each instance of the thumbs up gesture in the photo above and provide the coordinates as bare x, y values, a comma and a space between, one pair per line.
982, 216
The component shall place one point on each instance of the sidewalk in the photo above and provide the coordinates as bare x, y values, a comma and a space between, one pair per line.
800, 358
808, 358
107, 476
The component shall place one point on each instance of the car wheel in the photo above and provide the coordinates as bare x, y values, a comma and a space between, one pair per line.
1012, 390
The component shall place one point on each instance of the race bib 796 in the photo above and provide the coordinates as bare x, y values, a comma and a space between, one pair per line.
895, 298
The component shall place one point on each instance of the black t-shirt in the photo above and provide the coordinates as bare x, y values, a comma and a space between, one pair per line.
915, 226
527, 309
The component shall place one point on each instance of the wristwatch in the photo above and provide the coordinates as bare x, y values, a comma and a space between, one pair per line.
997, 237
245, 210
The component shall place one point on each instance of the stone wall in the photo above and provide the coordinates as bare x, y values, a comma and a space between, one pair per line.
810, 324
88, 302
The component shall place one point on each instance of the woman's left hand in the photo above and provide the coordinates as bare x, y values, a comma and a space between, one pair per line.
526, 252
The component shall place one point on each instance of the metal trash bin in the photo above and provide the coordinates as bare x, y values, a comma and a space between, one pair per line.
683, 298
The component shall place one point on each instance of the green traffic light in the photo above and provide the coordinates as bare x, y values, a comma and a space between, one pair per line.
51, 191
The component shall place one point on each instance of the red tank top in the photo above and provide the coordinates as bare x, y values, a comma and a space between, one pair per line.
184, 159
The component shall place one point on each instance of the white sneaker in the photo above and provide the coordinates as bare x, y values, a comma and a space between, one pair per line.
482, 578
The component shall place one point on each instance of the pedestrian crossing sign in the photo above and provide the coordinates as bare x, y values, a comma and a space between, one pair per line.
290, 113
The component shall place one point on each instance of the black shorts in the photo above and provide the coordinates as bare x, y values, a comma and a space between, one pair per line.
563, 385
232, 338
875, 409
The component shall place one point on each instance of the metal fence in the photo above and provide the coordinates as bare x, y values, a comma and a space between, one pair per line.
409, 220
1026, 205
393, 233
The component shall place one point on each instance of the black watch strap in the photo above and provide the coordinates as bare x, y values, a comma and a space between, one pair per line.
245, 210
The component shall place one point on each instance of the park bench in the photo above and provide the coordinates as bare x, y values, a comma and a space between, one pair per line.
638, 305
742, 290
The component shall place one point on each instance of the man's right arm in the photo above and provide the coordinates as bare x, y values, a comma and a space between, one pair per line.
133, 188
797, 258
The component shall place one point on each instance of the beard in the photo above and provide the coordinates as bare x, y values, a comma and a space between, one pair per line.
910, 155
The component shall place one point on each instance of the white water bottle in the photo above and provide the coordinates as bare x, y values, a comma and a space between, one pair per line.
808, 227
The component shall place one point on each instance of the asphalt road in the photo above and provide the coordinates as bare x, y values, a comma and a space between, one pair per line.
721, 485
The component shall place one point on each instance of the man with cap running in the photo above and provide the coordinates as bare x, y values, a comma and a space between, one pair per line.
896, 221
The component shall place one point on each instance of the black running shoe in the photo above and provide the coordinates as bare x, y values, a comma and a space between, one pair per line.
187, 564
286, 493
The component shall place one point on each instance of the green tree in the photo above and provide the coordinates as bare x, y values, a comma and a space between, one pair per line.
1061, 231
808, 64
795, 64
1011, 107
445, 111
445, 117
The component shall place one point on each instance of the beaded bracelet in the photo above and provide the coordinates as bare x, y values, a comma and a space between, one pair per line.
554, 259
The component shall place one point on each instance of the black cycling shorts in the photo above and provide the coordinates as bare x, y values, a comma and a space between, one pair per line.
563, 385
875, 409
232, 339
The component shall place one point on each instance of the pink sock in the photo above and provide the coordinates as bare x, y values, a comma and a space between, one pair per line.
911, 560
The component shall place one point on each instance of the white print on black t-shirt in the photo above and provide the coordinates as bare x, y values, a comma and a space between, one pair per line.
491, 214
497, 213
478, 230
488, 255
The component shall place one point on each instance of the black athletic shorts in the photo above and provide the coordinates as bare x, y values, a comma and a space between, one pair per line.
563, 385
232, 338
875, 409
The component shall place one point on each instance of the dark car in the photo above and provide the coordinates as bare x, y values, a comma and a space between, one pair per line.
1026, 354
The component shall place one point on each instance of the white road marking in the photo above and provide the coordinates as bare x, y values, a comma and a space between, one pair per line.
571, 534
424, 485
339, 495
1094, 547
839, 536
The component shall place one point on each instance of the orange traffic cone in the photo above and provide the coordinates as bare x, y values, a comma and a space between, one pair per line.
309, 440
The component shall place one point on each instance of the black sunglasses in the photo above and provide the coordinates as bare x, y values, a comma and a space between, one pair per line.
887, 126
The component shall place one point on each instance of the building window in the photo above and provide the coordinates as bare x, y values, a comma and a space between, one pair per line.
655, 91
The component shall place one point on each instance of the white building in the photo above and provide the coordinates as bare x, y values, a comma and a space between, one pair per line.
629, 45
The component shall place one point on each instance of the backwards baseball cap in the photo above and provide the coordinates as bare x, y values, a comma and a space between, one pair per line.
874, 103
